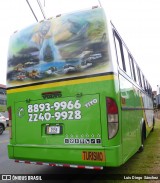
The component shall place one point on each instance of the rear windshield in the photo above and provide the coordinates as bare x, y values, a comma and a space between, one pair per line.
70, 46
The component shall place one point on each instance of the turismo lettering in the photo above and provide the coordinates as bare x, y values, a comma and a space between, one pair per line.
93, 156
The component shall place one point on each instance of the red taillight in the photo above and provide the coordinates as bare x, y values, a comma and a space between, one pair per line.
111, 106
112, 116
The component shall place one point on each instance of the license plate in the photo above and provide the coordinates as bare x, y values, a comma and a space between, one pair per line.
53, 130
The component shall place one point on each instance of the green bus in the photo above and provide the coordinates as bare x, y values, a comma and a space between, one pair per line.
76, 96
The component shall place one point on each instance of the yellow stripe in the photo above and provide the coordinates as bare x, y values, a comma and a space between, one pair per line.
62, 83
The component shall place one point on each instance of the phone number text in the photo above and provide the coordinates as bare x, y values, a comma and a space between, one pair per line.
42, 112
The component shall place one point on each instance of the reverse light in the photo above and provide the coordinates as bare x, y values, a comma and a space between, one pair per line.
112, 115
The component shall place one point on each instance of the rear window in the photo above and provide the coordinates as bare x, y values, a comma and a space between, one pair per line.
72, 45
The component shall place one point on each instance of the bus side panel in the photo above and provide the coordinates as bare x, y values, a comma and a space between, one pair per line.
132, 114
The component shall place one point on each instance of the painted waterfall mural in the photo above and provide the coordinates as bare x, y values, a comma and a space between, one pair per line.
72, 45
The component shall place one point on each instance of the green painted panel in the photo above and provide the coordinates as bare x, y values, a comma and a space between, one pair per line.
74, 115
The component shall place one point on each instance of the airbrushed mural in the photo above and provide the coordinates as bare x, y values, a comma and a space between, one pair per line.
72, 45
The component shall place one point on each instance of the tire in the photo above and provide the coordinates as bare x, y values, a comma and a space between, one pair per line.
142, 140
1, 129
153, 125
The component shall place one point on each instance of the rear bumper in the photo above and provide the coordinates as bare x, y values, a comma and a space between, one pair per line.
61, 165
67, 155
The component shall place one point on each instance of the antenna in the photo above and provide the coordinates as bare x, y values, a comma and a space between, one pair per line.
40, 6
32, 10
100, 3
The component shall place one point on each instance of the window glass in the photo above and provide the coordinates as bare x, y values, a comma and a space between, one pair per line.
147, 88
126, 61
118, 50
145, 84
2, 91
2, 102
64, 47
150, 91
132, 68
136, 74
142, 79
139, 76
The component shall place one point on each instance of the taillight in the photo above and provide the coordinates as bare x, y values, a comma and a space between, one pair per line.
10, 121
112, 115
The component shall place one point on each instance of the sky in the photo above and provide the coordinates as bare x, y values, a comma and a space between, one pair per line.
137, 21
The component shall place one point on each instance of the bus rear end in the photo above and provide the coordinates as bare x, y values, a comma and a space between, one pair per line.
61, 93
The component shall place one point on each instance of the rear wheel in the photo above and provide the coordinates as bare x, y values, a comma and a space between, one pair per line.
1, 129
153, 125
142, 139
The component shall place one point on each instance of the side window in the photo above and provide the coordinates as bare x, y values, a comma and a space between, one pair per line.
118, 45
147, 87
139, 76
2, 102
142, 79
150, 90
136, 74
132, 68
126, 61
145, 84
2, 91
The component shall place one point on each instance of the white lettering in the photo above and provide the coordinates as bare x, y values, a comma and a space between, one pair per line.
42, 111
91, 103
